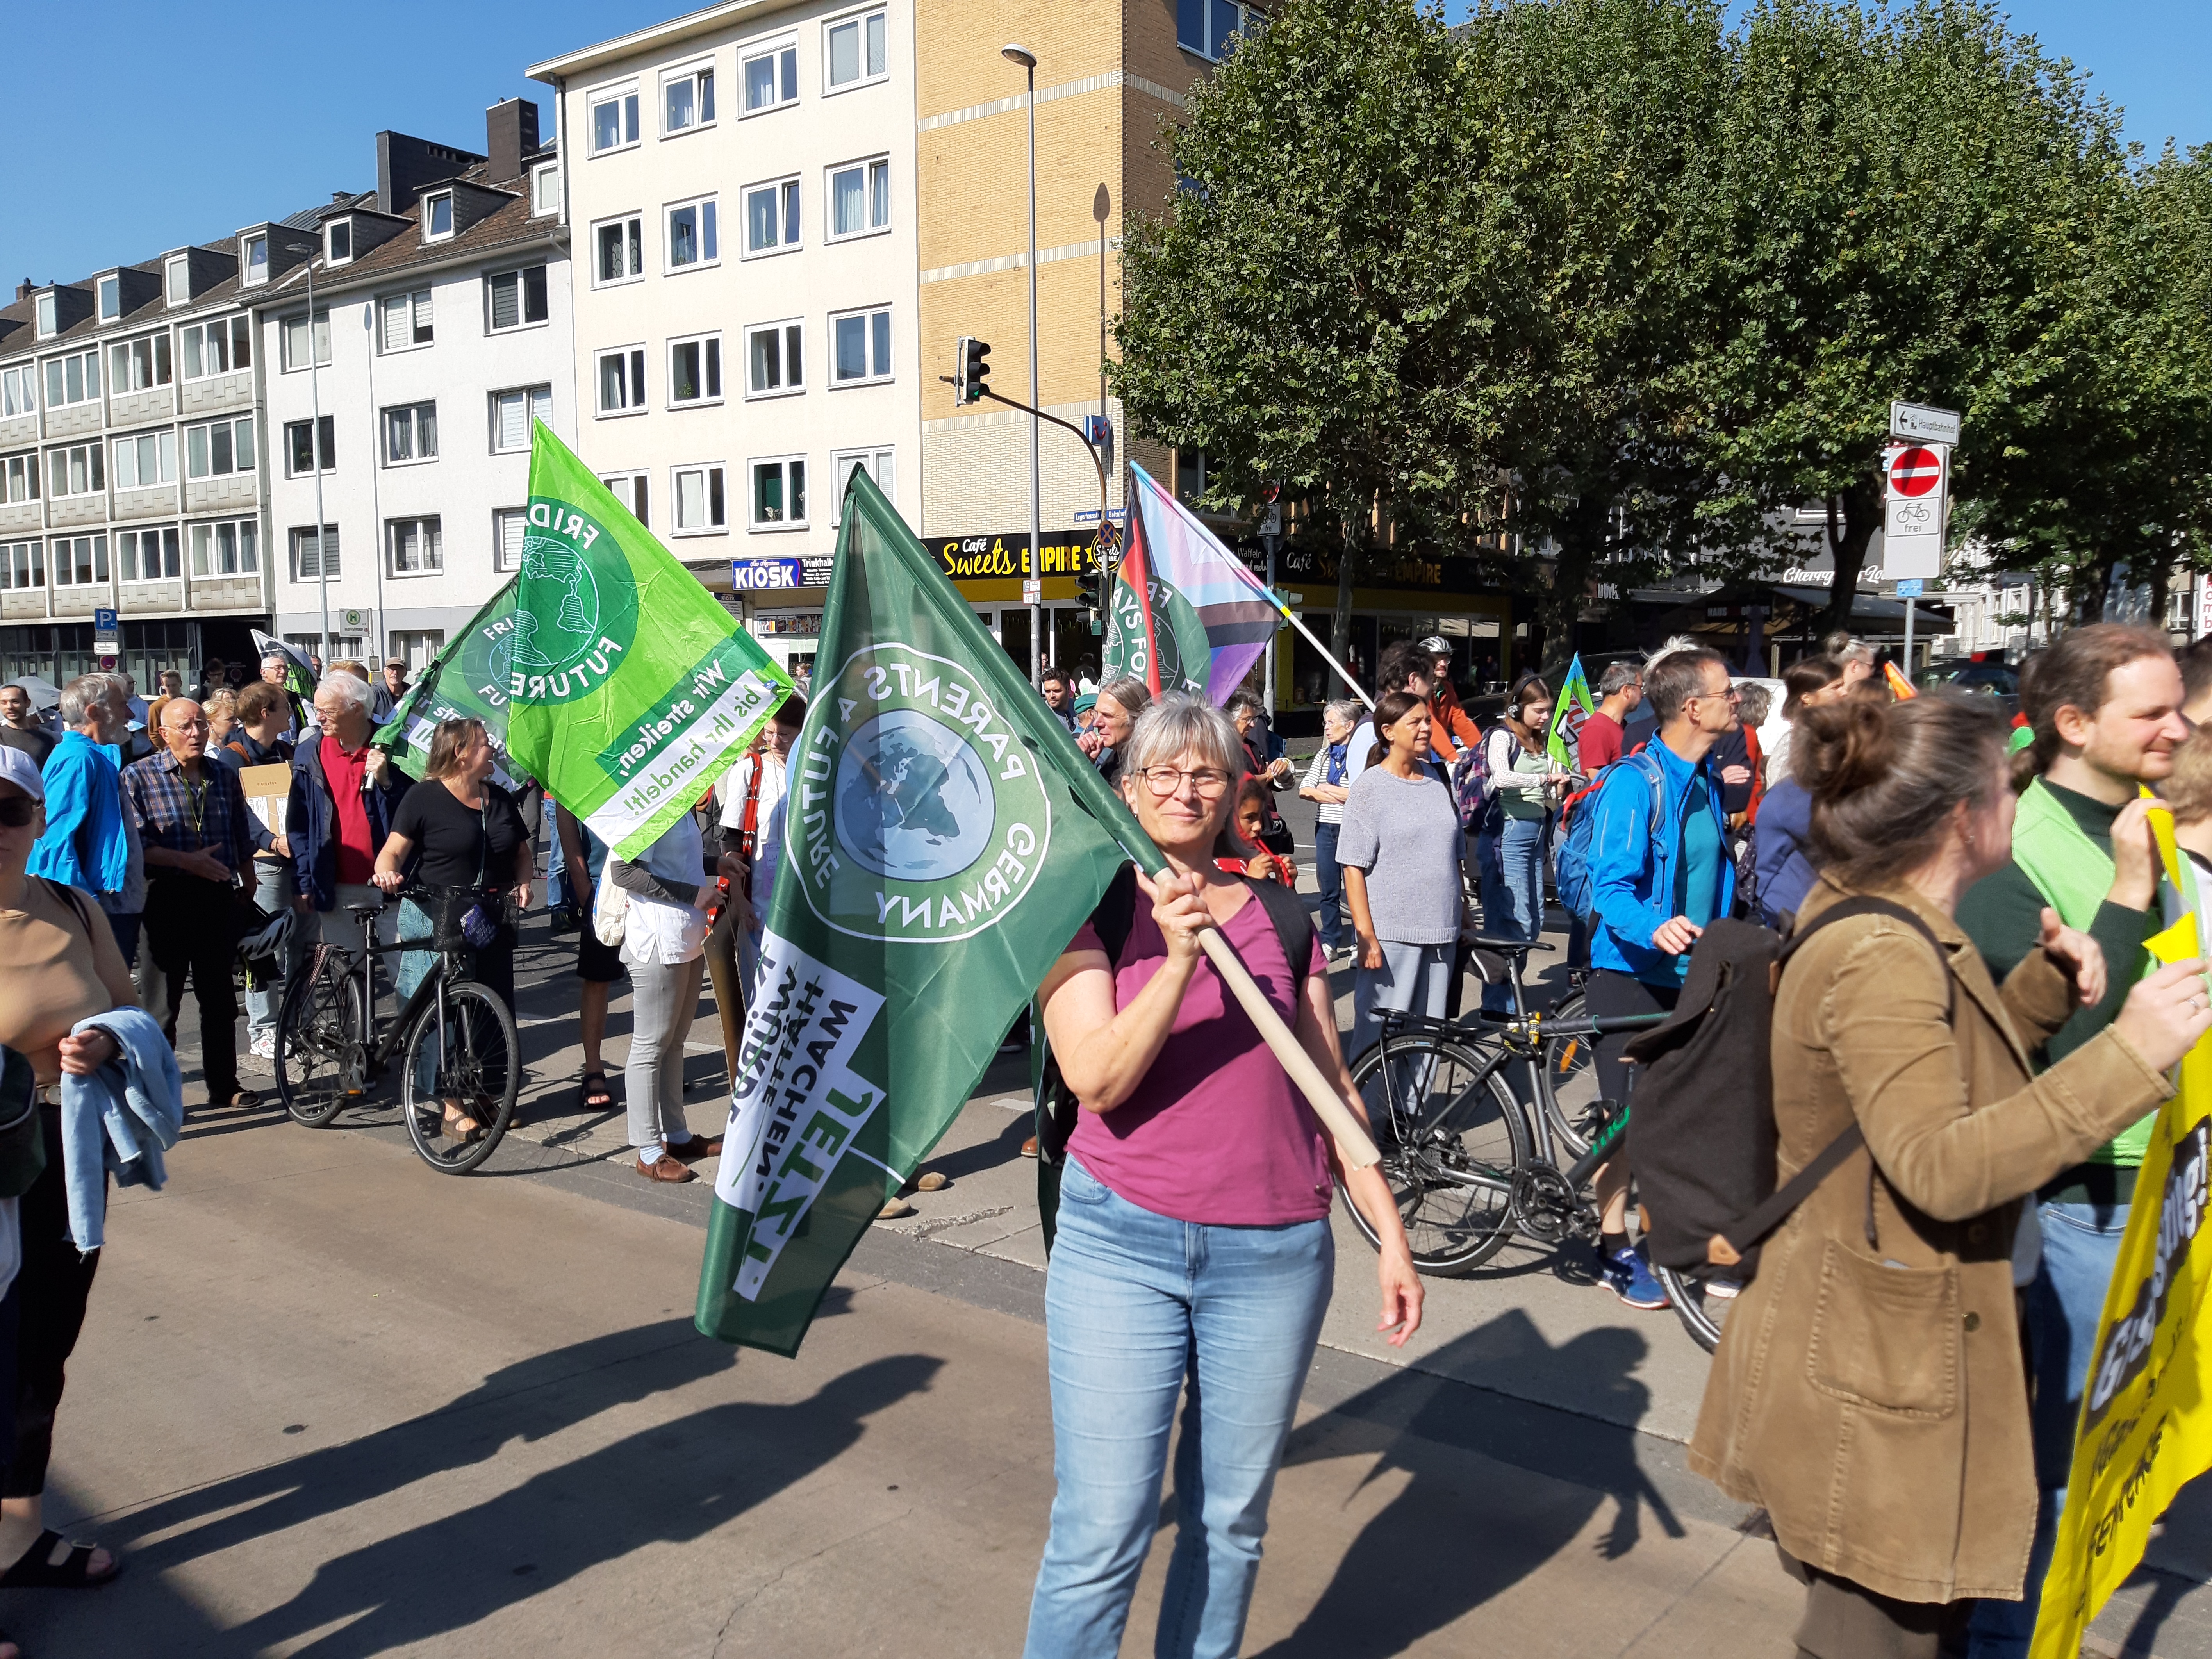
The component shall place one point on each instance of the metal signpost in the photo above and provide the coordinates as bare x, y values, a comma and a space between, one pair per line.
1915, 487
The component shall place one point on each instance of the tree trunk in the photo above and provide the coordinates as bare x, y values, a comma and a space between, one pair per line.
1861, 511
1340, 627
1577, 542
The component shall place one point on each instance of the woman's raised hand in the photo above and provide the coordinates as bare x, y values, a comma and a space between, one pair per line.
1179, 911
2166, 1014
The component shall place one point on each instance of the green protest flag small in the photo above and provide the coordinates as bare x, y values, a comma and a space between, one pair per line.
465, 681
945, 840
628, 687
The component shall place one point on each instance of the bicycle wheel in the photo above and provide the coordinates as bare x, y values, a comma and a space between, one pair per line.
1703, 1314
322, 1043
1449, 1150
1566, 1080
478, 1065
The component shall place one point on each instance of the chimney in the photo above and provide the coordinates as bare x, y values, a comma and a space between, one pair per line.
24, 288
510, 134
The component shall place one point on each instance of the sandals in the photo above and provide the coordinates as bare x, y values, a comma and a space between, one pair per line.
454, 1121
594, 1094
33, 1570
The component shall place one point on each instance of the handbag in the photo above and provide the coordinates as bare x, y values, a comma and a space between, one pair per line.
22, 1142
610, 913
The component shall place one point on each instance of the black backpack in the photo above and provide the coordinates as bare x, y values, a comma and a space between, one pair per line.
1056, 1105
1701, 1132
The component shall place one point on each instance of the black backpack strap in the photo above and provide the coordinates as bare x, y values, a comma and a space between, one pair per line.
1293, 923
1799, 1187
1116, 914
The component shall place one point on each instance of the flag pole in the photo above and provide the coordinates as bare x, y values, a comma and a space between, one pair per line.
1291, 617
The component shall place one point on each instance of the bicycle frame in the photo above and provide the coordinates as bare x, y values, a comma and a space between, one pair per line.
382, 1049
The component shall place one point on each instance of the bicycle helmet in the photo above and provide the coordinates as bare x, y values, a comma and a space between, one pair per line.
1435, 646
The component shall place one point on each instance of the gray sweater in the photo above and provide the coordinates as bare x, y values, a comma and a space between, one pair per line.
1404, 836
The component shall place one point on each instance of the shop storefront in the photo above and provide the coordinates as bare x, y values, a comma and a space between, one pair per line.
1025, 614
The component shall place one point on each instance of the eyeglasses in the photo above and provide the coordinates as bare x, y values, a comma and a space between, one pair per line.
183, 725
16, 811
1166, 780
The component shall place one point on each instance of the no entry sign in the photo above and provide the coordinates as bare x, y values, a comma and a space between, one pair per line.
1914, 471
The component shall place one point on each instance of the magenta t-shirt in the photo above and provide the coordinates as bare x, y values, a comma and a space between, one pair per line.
1215, 1132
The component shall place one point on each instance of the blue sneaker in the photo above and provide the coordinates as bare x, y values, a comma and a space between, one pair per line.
1627, 1277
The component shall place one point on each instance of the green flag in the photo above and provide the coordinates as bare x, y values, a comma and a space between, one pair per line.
628, 686
945, 840
1574, 692
466, 681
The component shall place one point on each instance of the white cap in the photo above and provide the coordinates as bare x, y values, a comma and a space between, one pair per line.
20, 769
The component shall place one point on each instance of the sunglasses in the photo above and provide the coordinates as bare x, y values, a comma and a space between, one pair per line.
17, 811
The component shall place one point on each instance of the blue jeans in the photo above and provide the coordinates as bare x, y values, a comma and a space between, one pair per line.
1328, 920
1137, 1305
2080, 1244
1513, 901
556, 862
273, 891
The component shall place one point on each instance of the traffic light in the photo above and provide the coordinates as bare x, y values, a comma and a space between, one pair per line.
972, 369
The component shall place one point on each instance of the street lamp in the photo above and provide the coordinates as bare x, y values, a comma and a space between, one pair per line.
1027, 60
315, 445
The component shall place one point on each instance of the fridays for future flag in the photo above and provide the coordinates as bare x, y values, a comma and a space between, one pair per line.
945, 840
1183, 613
466, 681
1574, 693
626, 684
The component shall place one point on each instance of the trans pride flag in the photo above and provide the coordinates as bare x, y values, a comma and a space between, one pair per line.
1183, 613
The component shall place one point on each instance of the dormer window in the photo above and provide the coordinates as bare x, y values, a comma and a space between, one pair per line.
179, 280
254, 258
437, 217
111, 298
545, 190
49, 323
339, 239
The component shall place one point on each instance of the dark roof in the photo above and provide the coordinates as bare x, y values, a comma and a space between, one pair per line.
510, 226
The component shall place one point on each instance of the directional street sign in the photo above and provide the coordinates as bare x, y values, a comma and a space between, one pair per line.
1922, 424
1914, 477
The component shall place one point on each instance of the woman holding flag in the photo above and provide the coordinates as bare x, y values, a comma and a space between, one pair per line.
1193, 1237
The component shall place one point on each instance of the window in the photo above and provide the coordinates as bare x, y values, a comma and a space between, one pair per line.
220, 448
148, 556
76, 470
1208, 26
630, 488
225, 344
774, 363
699, 510
295, 340
254, 258
313, 557
406, 320
856, 52
780, 493
417, 647
771, 217
437, 217
509, 525
80, 560
511, 412
234, 549
695, 370
410, 434
49, 316
691, 235
338, 239
517, 298
545, 191
771, 79
72, 379
148, 459
418, 547
19, 391
844, 463
178, 280
111, 298
614, 122
619, 246
139, 365
23, 565
622, 381
859, 199
19, 478
299, 449
861, 342
688, 100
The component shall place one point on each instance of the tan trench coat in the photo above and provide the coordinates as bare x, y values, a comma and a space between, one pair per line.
1868, 1389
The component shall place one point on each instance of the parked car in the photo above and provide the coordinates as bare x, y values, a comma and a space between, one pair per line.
1990, 679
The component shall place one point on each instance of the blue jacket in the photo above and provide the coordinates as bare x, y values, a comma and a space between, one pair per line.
1632, 863
84, 845
119, 1121
1780, 842
310, 821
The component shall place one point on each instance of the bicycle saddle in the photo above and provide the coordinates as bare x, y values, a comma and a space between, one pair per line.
1509, 947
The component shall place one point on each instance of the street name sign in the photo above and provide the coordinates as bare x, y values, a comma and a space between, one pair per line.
1923, 424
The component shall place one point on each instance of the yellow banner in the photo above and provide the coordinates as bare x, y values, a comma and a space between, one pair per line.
2145, 1428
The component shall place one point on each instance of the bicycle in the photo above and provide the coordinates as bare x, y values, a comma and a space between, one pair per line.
1470, 1162
456, 1040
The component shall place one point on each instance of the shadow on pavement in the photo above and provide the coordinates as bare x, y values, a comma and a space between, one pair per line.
1437, 1551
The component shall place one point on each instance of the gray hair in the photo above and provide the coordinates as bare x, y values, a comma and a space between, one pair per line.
1243, 700
1183, 722
1618, 677
86, 693
351, 688
1678, 676
1132, 693
1348, 709
1757, 701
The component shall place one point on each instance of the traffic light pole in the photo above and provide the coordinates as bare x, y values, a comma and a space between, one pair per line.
1097, 460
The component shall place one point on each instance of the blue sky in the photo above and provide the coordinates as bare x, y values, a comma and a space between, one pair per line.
184, 123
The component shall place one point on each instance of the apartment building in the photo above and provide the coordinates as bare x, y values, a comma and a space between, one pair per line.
400, 397
787, 214
131, 465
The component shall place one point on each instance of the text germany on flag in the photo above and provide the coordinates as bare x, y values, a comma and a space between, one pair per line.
945, 840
